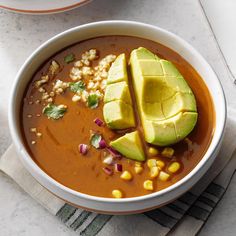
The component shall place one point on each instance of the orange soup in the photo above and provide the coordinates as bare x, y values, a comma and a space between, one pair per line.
63, 128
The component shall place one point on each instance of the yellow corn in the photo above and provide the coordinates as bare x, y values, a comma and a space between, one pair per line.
160, 164
151, 163
138, 169
163, 176
148, 185
174, 167
168, 152
126, 175
117, 193
154, 171
138, 163
153, 151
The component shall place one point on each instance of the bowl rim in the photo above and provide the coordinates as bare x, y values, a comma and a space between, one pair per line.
31, 165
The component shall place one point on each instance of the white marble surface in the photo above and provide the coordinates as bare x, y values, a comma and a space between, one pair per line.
21, 34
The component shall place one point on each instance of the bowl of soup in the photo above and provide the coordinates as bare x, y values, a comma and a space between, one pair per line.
117, 117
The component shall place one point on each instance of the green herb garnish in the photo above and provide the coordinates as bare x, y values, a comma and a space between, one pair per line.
95, 139
53, 111
93, 101
77, 86
69, 58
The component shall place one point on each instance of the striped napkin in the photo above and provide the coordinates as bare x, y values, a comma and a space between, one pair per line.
184, 216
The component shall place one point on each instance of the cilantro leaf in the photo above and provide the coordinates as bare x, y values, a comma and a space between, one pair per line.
69, 58
54, 112
93, 100
77, 86
95, 139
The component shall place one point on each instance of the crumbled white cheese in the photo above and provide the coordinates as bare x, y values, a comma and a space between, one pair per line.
76, 98
87, 71
90, 84
104, 74
106, 61
45, 96
75, 73
96, 76
60, 87
86, 62
54, 67
78, 64
41, 90
44, 79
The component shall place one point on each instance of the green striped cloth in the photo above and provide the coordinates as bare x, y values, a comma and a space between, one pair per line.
184, 216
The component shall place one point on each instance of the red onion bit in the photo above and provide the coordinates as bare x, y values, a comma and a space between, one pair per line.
83, 149
113, 152
107, 170
118, 167
98, 122
102, 144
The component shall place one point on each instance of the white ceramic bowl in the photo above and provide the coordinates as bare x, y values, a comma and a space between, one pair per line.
74, 35
38, 7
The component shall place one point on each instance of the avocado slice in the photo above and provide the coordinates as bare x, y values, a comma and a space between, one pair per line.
117, 91
166, 104
117, 110
118, 72
130, 145
118, 115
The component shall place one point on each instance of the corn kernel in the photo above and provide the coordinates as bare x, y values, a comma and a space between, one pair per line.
126, 175
168, 152
151, 163
154, 171
138, 163
138, 169
160, 164
153, 151
148, 185
163, 176
174, 167
117, 193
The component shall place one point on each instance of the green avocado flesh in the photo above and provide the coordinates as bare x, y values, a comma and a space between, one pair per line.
118, 115
130, 146
118, 71
117, 110
166, 104
118, 91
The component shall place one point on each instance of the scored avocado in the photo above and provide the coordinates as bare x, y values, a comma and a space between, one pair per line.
117, 110
166, 103
130, 145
